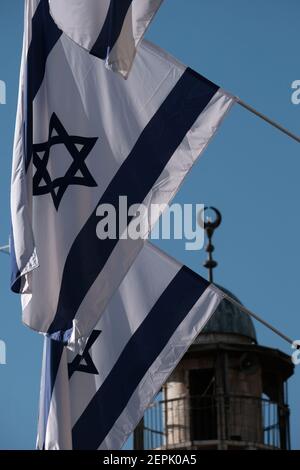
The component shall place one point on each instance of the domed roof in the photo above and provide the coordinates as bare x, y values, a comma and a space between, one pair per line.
229, 319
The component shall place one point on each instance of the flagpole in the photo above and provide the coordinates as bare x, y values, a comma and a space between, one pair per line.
256, 317
268, 120
5, 249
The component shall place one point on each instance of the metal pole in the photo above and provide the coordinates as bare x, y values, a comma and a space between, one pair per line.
249, 312
268, 120
5, 249
210, 226
138, 436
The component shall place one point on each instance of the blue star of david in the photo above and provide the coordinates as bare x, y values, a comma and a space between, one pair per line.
89, 367
79, 149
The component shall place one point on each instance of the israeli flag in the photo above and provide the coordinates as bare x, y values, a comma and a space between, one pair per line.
108, 29
94, 400
84, 137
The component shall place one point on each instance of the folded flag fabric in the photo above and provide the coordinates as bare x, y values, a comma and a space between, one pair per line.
94, 400
84, 138
108, 29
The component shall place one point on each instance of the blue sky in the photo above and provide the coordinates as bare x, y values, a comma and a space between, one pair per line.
250, 172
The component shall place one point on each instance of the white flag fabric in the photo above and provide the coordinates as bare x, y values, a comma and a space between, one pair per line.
94, 400
108, 29
84, 137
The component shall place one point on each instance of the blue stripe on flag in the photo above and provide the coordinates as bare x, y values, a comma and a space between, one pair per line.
154, 148
141, 351
111, 29
45, 35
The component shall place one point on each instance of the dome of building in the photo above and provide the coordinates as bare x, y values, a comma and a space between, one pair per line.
229, 319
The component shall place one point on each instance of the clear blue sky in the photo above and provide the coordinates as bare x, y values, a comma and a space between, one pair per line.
250, 172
